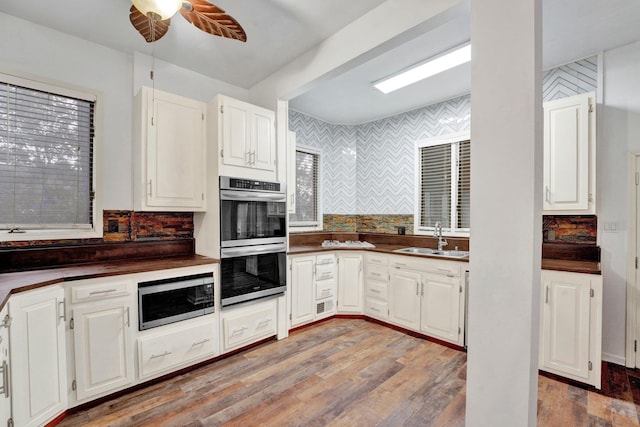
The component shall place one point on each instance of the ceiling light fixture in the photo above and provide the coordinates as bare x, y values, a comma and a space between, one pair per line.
458, 56
158, 10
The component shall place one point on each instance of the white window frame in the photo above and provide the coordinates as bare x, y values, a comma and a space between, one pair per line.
65, 89
305, 226
451, 139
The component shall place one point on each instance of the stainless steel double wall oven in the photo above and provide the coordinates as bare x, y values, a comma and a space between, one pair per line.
252, 239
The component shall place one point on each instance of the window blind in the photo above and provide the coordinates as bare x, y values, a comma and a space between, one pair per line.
435, 182
464, 185
306, 189
46, 158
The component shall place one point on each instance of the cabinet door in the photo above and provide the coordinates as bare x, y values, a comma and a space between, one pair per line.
236, 138
350, 283
564, 346
263, 135
38, 357
404, 298
440, 309
102, 345
175, 153
302, 290
566, 154
5, 366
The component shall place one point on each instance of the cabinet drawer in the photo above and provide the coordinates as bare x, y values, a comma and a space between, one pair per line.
376, 308
160, 352
325, 259
377, 289
325, 271
376, 272
246, 326
325, 289
99, 290
377, 259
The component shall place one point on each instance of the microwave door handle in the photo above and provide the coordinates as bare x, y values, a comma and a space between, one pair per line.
251, 196
252, 250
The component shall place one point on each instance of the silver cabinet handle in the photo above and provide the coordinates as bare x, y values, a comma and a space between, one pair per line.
5, 378
62, 316
206, 340
376, 274
264, 322
106, 291
155, 356
377, 291
326, 291
546, 296
239, 331
247, 156
547, 194
128, 318
150, 187
417, 288
253, 157
374, 309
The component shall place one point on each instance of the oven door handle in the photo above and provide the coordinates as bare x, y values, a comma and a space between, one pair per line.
251, 196
252, 250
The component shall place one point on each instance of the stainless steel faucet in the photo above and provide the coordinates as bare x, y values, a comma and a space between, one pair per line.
437, 232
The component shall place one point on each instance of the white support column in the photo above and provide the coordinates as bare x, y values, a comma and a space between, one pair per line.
506, 215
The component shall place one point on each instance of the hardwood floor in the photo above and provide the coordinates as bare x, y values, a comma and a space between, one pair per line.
345, 372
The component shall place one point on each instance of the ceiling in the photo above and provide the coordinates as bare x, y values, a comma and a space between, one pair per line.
278, 31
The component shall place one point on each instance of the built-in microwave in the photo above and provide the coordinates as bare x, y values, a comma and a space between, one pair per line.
165, 301
251, 212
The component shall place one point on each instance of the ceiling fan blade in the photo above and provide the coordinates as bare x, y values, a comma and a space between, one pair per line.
213, 20
144, 25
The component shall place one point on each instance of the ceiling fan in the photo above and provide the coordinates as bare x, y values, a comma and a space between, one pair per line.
152, 18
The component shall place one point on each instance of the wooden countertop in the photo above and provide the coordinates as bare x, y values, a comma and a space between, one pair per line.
11, 283
574, 266
382, 248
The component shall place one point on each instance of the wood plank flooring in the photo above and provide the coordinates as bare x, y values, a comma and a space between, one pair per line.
344, 372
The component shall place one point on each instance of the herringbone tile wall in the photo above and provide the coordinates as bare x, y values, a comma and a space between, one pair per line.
368, 168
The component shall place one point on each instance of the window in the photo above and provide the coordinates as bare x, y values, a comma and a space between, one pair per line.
307, 213
47, 175
443, 184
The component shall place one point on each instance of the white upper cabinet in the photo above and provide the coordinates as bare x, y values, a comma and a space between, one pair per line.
569, 155
169, 152
245, 137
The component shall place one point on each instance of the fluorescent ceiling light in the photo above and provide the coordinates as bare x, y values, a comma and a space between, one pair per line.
430, 68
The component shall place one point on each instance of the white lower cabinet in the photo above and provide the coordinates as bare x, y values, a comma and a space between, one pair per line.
376, 287
5, 366
404, 298
247, 324
102, 347
176, 346
571, 325
440, 307
350, 283
313, 287
428, 296
38, 356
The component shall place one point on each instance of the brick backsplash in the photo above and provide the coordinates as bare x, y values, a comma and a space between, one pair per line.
576, 229
368, 223
128, 226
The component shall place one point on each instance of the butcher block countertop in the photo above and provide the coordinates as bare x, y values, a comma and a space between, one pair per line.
11, 283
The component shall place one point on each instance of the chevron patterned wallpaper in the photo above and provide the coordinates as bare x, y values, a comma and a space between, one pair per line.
367, 169
571, 79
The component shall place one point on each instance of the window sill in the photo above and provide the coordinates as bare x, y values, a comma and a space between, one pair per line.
31, 235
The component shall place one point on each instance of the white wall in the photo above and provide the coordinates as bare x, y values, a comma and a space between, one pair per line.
51, 55
619, 133
45, 54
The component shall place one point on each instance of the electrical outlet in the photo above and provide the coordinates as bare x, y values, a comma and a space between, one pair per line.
113, 226
610, 227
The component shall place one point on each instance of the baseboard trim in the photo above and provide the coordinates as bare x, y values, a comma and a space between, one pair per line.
618, 360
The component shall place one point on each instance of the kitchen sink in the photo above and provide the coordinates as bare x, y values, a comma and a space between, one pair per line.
429, 251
